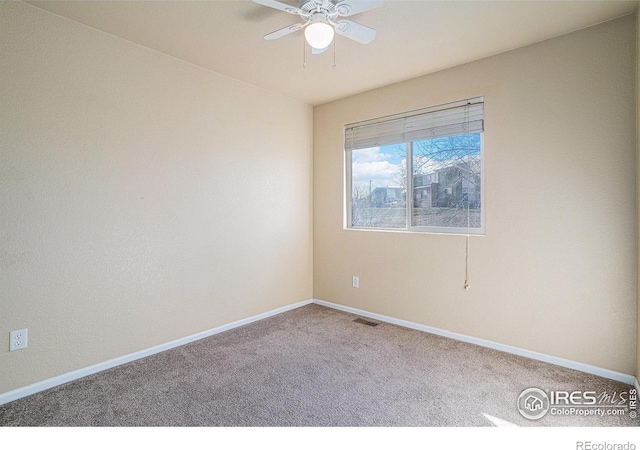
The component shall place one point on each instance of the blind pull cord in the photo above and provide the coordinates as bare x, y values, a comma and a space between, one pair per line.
467, 285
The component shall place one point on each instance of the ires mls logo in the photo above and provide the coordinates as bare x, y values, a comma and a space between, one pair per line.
534, 403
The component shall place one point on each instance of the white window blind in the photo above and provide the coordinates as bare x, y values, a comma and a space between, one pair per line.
465, 116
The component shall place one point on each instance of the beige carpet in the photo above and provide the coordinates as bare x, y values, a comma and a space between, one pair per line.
313, 366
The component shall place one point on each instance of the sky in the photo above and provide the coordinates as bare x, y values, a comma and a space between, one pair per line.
380, 165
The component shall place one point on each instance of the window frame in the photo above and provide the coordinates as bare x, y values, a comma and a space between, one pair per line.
409, 198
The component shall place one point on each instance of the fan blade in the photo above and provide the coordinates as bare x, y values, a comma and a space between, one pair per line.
279, 5
351, 7
317, 51
355, 31
284, 31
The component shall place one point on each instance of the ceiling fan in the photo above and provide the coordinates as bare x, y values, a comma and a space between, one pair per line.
322, 19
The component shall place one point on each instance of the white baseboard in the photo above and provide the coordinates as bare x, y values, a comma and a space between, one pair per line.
594, 370
76, 374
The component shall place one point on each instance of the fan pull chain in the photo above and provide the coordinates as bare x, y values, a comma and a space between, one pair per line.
304, 54
334, 54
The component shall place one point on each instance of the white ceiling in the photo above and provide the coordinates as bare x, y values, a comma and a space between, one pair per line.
413, 37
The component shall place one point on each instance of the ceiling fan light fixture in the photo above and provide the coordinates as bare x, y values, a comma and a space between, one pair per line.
322, 19
319, 35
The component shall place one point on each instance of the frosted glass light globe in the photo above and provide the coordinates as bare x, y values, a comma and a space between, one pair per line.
319, 35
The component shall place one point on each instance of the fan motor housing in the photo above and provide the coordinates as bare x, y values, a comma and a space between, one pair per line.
318, 6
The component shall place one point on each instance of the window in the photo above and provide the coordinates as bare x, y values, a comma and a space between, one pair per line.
441, 147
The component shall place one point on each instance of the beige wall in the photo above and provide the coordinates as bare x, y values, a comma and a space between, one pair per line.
556, 271
142, 199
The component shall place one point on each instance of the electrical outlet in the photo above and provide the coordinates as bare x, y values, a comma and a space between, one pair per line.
18, 340
356, 282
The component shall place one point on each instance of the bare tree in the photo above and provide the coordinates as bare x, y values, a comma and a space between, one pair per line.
451, 168
364, 213
360, 206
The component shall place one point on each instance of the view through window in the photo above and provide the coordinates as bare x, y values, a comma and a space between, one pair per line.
444, 192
